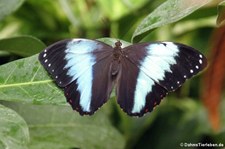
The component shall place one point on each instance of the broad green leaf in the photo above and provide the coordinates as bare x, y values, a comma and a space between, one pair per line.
25, 80
168, 12
112, 41
14, 132
57, 127
116, 9
22, 45
221, 14
9, 6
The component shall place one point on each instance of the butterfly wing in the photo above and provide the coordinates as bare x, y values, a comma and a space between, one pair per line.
151, 70
81, 67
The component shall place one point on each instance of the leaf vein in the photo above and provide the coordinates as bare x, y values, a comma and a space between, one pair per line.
25, 84
32, 79
25, 91
7, 79
53, 88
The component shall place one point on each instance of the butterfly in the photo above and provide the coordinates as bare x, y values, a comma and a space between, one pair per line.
143, 73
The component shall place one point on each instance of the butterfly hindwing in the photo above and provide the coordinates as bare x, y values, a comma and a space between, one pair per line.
78, 65
125, 86
136, 92
159, 68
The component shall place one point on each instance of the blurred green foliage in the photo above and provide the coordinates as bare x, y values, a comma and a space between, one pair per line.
37, 104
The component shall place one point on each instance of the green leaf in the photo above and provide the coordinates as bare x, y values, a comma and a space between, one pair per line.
60, 127
13, 130
25, 80
112, 41
116, 9
168, 12
221, 14
22, 45
9, 6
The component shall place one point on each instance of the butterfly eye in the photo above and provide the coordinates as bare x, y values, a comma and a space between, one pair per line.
118, 44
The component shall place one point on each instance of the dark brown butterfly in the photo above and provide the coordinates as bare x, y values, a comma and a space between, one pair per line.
142, 73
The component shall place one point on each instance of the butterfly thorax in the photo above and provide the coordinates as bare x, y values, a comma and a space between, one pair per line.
117, 51
117, 54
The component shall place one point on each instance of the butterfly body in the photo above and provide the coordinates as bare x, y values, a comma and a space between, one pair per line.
142, 73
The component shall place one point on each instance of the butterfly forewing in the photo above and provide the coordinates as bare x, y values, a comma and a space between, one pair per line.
160, 67
81, 67
52, 58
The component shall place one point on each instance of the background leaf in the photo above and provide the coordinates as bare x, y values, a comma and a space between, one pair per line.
60, 127
22, 45
112, 41
168, 12
221, 14
9, 6
119, 8
13, 130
